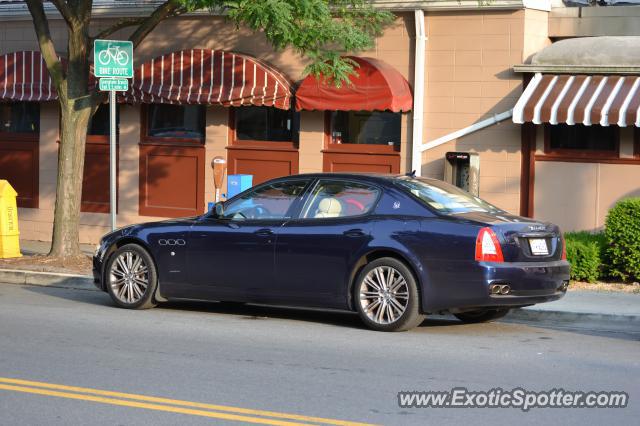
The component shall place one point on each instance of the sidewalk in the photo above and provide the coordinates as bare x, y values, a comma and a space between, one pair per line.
589, 309
28, 247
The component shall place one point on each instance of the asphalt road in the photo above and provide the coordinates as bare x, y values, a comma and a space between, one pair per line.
250, 359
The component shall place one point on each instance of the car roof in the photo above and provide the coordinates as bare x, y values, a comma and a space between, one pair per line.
364, 176
344, 175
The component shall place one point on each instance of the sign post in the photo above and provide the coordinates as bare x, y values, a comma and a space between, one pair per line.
113, 63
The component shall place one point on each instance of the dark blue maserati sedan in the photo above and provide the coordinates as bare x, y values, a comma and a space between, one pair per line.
391, 248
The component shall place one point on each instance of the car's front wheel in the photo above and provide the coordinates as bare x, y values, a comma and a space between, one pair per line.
483, 315
386, 296
131, 277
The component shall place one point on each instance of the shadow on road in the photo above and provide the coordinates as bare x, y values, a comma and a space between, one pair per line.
439, 324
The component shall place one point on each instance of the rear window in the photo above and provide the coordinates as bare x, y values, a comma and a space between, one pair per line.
443, 197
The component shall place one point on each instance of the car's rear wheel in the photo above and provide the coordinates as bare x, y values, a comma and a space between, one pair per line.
386, 296
483, 315
131, 277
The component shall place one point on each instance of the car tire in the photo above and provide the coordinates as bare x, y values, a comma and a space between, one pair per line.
131, 278
383, 306
484, 315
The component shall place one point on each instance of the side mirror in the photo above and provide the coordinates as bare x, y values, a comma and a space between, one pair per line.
218, 210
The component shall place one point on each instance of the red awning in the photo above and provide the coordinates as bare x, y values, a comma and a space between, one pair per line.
377, 86
209, 77
24, 77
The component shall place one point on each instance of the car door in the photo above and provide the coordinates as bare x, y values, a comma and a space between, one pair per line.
316, 250
233, 255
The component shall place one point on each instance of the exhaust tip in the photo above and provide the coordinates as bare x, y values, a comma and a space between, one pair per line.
500, 289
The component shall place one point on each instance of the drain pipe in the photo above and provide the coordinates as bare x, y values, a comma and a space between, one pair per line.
418, 93
469, 129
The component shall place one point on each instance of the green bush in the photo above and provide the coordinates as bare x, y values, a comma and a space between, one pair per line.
584, 253
622, 233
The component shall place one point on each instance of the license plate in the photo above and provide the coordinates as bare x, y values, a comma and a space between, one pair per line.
538, 246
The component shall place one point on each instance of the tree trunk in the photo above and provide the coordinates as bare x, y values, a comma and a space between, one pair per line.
76, 110
73, 133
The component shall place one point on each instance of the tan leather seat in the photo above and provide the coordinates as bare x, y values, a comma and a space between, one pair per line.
329, 207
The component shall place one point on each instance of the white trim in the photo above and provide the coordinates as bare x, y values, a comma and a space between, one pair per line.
221, 77
191, 78
572, 106
518, 109
470, 129
538, 107
31, 86
604, 115
553, 118
244, 79
418, 93
622, 115
213, 62
587, 109
233, 79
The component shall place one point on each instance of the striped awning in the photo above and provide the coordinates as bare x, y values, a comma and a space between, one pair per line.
24, 77
580, 99
209, 77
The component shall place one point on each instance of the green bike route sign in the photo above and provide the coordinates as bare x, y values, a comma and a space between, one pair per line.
116, 84
113, 58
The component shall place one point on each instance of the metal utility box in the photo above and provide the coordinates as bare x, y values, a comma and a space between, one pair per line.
462, 169
238, 183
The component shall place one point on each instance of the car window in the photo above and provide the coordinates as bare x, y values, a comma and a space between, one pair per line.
331, 199
443, 197
271, 201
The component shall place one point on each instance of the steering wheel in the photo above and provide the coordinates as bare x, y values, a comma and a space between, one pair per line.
254, 212
356, 204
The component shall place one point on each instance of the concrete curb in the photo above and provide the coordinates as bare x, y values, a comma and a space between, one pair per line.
597, 321
47, 279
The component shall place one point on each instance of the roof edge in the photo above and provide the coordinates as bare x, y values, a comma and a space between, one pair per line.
576, 69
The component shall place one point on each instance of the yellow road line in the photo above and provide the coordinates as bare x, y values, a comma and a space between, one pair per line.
149, 406
153, 403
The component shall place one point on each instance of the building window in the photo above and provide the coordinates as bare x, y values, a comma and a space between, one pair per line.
20, 117
176, 121
366, 127
259, 123
582, 141
99, 124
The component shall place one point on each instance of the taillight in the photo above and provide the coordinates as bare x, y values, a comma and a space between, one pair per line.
488, 247
564, 249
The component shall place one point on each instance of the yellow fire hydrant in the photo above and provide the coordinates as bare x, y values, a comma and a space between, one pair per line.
9, 234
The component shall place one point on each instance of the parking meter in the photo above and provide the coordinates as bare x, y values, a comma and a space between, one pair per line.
219, 165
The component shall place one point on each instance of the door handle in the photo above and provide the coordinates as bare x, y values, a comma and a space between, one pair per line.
354, 233
265, 232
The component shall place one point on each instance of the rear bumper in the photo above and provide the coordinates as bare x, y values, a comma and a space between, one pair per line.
530, 283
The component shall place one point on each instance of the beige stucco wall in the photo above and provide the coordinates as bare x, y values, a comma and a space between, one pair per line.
469, 78
594, 21
577, 196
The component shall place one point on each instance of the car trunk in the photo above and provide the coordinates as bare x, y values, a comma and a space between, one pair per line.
522, 239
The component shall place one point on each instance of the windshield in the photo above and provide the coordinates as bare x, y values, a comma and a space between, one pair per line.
443, 197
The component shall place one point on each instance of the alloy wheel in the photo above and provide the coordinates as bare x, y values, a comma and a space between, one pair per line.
384, 295
129, 277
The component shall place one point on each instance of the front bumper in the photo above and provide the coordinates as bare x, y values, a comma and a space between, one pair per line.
530, 283
97, 272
